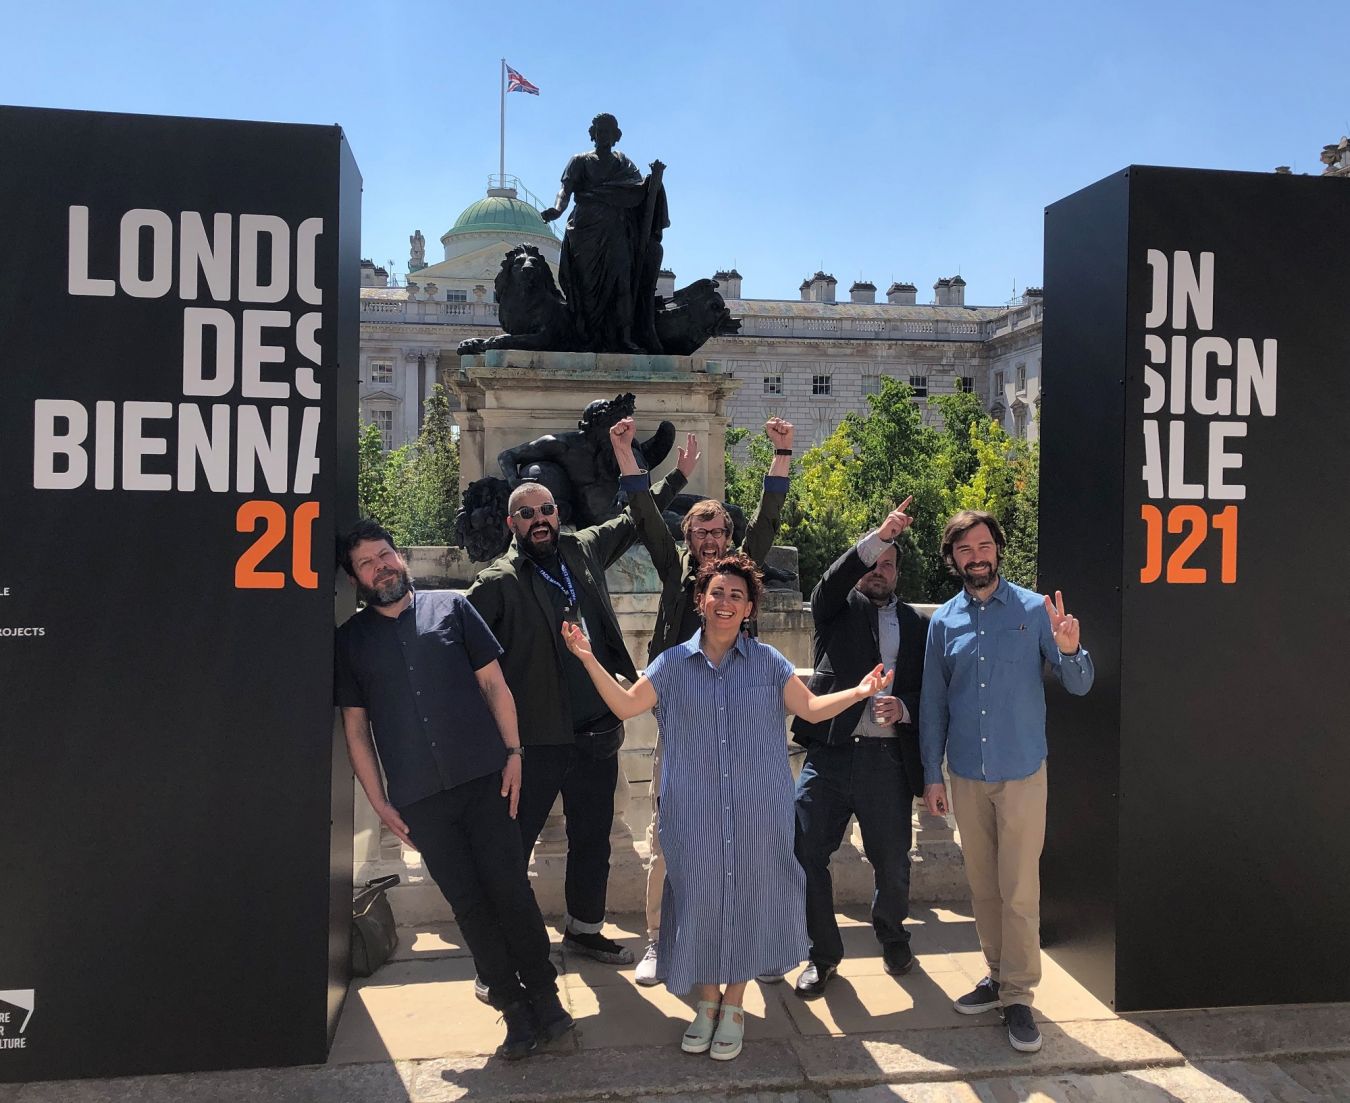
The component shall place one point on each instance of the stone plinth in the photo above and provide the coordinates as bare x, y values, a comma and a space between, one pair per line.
510, 397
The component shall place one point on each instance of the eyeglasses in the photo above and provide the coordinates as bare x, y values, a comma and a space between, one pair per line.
704, 534
526, 512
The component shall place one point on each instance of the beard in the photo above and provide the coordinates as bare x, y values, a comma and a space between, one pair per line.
877, 589
538, 549
390, 588
979, 575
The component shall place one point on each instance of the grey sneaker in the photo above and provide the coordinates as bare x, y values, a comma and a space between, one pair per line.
645, 973
1023, 1033
984, 997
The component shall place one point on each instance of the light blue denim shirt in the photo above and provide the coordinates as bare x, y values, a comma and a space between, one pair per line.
983, 699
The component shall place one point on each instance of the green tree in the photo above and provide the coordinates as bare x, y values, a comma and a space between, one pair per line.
413, 491
873, 461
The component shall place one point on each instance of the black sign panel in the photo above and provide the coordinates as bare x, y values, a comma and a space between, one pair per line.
1192, 512
178, 348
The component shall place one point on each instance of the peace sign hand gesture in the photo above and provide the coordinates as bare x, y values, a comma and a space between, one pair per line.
1062, 625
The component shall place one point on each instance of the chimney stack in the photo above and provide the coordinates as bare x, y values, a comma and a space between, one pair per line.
728, 284
863, 292
902, 294
822, 286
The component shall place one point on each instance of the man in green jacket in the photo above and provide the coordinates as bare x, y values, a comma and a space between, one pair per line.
707, 535
569, 738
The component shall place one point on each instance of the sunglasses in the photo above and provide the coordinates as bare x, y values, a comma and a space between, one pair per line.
546, 510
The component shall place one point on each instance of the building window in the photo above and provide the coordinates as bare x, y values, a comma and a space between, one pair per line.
871, 384
381, 371
383, 420
820, 384
919, 385
1020, 422
965, 384
1021, 379
773, 384
457, 296
998, 384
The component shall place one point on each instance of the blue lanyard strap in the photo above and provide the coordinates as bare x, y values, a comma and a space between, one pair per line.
568, 590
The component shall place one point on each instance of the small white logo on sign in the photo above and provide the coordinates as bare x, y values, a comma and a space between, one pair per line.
11, 1028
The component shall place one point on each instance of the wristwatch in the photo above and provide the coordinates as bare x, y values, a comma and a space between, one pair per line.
515, 750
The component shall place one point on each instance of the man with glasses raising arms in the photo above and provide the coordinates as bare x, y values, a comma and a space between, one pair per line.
571, 740
707, 537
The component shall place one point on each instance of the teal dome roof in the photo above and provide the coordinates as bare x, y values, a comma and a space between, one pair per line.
501, 214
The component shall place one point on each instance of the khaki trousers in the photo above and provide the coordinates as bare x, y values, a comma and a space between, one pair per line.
656, 863
1002, 827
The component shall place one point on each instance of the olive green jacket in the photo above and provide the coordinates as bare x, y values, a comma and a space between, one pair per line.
514, 601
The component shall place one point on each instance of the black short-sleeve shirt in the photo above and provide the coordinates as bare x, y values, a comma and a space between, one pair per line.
414, 675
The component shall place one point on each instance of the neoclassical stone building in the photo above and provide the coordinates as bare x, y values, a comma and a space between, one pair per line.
811, 360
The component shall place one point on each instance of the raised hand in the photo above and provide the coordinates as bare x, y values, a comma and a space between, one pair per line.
896, 521
1062, 625
576, 640
621, 435
689, 456
875, 681
780, 432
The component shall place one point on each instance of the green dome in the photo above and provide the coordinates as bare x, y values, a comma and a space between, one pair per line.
501, 214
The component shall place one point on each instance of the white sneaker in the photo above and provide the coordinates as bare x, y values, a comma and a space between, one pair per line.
645, 973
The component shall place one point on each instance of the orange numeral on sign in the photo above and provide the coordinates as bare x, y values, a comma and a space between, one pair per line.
272, 516
1195, 524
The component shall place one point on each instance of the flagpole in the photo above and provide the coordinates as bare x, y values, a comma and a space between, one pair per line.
501, 165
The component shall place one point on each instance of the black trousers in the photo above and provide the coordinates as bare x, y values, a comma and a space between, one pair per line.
471, 848
864, 779
585, 773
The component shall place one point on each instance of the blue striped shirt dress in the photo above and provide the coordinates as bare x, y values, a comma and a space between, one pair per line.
734, 902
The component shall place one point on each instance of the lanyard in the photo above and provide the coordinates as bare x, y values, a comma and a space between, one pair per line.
566, 587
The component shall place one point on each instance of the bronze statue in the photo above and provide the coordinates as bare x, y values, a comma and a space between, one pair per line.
577, 466
611, 256
611, 250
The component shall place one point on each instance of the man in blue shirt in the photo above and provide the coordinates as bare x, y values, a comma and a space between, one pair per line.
983, 704
421, 670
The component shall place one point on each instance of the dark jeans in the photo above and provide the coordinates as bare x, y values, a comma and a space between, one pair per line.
471, 847
865, 779
585, 773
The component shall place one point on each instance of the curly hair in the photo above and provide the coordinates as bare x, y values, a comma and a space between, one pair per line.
737, 563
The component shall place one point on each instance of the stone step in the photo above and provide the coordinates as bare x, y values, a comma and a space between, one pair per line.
936, 876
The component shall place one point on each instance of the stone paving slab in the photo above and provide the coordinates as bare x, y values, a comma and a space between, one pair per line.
614, 1076
1242, 1033
615, 1073
981, 1052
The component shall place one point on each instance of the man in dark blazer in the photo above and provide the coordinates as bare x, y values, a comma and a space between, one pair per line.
864, 762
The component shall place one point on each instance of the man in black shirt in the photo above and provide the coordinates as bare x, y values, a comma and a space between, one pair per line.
421, 669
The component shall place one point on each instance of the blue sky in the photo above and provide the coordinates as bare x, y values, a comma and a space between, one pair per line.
878, 140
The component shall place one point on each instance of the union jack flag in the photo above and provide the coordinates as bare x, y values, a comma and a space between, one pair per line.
516, 83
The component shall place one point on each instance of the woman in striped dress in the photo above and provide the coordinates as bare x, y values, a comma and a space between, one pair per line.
734, 893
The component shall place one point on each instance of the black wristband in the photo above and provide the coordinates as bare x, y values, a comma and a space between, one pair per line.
782, 451
516, 751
